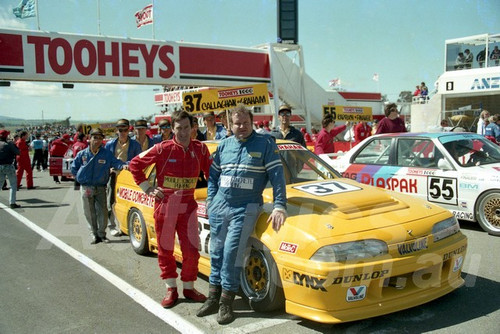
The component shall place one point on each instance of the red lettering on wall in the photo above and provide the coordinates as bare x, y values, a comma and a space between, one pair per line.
91, 54
149, 58
67, 56
113, 58
39, 42
128, 59
163, 55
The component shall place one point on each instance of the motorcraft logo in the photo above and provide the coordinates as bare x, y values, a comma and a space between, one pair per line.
356, 293
412, 246
288, 247
315, 283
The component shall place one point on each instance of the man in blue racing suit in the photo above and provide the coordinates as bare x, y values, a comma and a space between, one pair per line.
242, 165
91, 168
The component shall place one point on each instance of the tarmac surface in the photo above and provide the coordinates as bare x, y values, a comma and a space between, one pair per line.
53, 281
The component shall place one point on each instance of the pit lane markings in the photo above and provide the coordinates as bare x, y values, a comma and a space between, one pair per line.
171, 318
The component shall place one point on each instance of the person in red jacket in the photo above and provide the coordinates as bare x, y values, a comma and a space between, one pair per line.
58, 148
23, 161
391, 123
80, 144
326, 137
178, 165
361, 131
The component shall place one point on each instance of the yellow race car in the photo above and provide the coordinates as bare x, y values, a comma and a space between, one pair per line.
347, 251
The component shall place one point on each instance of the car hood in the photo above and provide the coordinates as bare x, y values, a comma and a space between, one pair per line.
333, 208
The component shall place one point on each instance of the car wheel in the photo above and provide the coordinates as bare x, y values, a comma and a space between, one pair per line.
260, 280
488, 212
137, 232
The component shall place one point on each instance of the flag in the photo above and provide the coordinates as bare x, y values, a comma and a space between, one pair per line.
334, 82
144, 16
25, 9
375, 77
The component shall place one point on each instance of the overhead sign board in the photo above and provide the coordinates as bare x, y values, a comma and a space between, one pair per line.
225, 98
351, 114
47, 56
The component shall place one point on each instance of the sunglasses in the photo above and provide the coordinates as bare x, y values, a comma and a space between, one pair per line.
123, 129
165, 127
285, 113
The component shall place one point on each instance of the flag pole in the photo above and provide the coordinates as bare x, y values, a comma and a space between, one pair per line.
37, 16
98, 17
153, 14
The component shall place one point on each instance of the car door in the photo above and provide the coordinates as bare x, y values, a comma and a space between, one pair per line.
419, 174
373, 164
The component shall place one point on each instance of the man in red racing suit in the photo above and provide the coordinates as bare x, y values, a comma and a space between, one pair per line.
178, 165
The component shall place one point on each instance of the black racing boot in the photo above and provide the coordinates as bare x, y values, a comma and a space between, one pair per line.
211, 305
226, 314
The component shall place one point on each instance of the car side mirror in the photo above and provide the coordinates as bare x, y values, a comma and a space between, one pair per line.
444, 164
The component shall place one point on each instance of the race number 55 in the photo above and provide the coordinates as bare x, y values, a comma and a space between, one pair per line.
442, 190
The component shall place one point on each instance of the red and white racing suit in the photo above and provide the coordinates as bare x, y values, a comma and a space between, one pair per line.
177, 171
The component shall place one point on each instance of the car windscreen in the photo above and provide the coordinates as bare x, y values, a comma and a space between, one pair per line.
471, 150
301, 165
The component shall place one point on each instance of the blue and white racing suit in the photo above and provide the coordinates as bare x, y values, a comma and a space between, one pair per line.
238, 175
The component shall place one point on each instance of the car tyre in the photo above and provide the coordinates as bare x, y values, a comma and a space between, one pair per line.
260, 279
488, 212
137, 232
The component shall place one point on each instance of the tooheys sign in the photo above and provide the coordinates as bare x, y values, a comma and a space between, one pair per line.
39, 56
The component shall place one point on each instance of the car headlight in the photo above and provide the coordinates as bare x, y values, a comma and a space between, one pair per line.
354, 250
445, 228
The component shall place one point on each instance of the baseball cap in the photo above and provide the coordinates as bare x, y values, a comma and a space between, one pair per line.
285, 107
96, 132
4, 133
164, 123
221, 112
141, 124
66, 136
122, 123
208, 114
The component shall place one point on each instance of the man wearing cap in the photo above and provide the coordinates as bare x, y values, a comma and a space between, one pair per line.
23, 161
222, 115
8, 152
286, 131
212, 131
141, 127
123, 148
91, 168
58, 148
178, 165
165, 128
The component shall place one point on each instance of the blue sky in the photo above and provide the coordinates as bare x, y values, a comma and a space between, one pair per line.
401, 40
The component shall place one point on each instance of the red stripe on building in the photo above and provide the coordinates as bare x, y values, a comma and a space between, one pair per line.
361, 96
203, 61
11, 50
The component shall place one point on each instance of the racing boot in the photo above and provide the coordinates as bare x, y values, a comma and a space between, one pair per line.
211, 305
226, 314
171, 298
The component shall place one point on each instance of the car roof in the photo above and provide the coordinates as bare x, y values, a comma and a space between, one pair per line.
427, 134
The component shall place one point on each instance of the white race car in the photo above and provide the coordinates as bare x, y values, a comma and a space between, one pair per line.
458, 171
